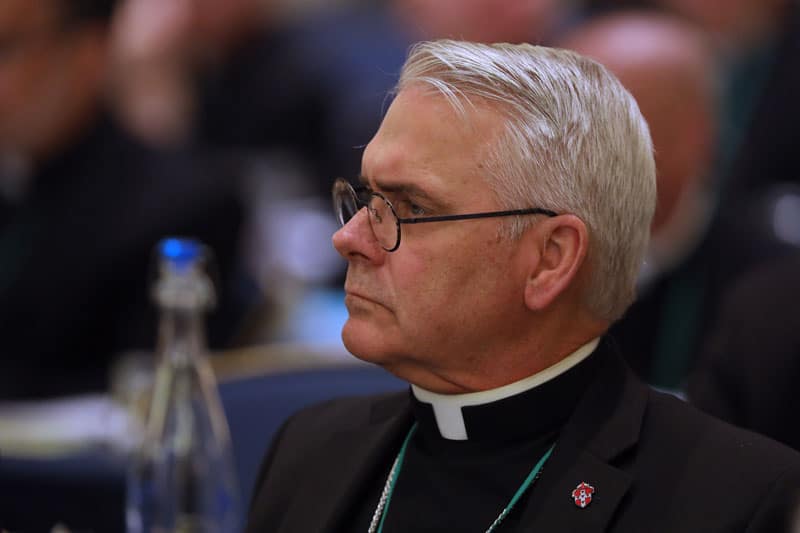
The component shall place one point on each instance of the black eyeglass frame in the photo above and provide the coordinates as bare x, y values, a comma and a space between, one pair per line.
341, 185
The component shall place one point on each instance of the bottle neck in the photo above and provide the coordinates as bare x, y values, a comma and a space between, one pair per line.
181, 336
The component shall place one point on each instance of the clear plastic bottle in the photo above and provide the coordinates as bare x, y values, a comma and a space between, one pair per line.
182, 476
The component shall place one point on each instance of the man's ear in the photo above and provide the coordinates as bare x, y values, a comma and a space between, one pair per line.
560, 245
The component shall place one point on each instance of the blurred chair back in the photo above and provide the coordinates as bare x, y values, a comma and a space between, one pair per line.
85, 489
257, 406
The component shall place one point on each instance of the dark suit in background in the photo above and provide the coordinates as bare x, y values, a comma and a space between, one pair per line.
76, 257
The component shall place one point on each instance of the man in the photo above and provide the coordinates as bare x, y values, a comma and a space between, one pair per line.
82, 205
509, 193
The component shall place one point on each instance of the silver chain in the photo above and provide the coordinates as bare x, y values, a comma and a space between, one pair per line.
376, 516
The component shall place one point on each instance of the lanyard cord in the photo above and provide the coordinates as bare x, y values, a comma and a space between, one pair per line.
376, 525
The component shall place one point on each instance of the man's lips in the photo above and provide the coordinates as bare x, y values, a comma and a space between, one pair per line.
361, 296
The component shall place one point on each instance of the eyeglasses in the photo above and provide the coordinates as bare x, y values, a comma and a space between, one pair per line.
384, 220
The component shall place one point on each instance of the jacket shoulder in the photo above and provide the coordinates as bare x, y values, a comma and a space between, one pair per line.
309, 433
669, 419
721, 477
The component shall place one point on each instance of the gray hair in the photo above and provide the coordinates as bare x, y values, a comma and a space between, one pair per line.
575, 142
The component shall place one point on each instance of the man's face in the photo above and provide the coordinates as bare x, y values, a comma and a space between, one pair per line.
34, 71
435, 310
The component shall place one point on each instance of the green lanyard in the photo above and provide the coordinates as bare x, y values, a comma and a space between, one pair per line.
388, 489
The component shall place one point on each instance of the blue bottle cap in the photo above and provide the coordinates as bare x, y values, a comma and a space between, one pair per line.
180, 251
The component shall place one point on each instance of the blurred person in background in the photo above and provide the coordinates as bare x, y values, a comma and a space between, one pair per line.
669, 68
236, 74
485, 21
83, 205
222, 76
750, 366
757, 43
758, 48
167, 56
735, 25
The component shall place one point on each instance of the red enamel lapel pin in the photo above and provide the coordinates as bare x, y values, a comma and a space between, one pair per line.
583, 494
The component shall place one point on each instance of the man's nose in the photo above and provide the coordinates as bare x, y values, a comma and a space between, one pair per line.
356, 239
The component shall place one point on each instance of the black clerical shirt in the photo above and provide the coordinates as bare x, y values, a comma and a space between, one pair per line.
463, 485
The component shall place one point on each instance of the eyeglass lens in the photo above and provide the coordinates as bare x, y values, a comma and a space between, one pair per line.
383, 221
346, 203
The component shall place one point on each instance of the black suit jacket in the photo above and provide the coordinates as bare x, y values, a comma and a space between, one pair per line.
656, 463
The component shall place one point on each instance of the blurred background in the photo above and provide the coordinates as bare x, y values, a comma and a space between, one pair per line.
123, 121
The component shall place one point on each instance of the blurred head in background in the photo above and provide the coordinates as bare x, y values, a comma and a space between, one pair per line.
734, 24
484, 21
668, 67
160, 46
52, 71
219, 25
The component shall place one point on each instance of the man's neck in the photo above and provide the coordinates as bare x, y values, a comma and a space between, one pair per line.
447, 407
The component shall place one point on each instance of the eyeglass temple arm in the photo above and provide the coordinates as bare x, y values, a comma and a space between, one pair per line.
491, 214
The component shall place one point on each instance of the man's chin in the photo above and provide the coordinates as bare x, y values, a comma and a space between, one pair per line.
364, 341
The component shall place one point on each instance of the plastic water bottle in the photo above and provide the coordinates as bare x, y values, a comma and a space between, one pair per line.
182, 477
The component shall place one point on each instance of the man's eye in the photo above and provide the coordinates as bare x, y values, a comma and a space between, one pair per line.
416, 210
409, 209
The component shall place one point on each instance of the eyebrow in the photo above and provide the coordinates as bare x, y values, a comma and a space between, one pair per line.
408, 189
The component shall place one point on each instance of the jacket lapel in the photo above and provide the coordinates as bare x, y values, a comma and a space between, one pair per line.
348, 460
559, 511
605, 424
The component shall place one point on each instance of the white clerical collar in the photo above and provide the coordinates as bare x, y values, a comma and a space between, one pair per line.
447, 407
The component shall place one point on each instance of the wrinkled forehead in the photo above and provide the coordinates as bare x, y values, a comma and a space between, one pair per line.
425, 145
423, 124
